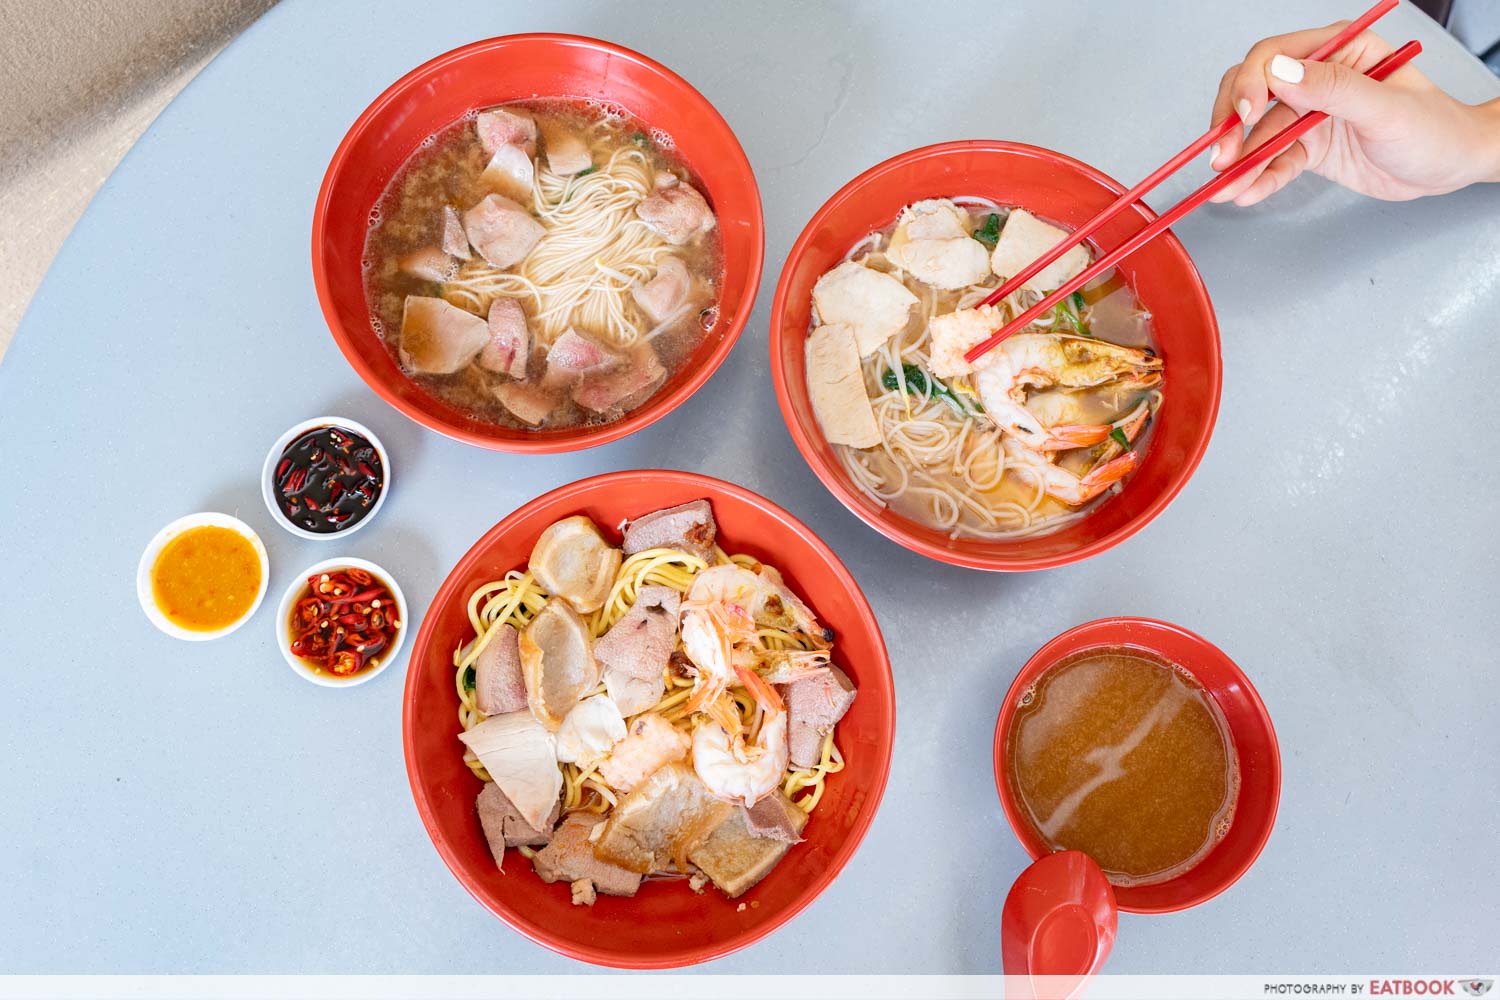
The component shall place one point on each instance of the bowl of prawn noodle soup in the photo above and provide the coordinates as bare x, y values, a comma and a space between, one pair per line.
1241, 716
1066, 192
528, 69
665, 925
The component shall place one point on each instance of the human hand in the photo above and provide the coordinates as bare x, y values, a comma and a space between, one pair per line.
1398, 139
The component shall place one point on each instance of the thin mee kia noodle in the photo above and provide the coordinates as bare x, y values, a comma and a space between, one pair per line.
691, 708
1032, 438
543, 264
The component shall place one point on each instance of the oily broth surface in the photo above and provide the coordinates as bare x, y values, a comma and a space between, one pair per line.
1126, 758
445, 170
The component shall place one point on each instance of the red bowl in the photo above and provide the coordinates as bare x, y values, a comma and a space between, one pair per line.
665, 925
1249, 727
1060, 188
493, 71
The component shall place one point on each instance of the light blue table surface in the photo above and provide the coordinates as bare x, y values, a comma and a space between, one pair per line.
167, 806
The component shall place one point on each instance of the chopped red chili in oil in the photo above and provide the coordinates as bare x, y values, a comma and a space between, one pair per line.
344, 622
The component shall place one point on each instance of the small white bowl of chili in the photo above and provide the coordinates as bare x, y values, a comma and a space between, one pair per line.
341, 622
202, 576
325, 478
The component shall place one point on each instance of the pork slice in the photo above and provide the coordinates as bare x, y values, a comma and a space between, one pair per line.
651, 743
437, 337
504, 826
506, 127
667, 290
565, 149
735, 858
688, 527
602, 391
873, 304
1025, 238
510, 173
455, 241
814, 705
429, 264
836, 385
510, 340
573, 356
530, 404
776, 817
569, 857
636, 649
655, 827
502, 231
676, 211
498, 685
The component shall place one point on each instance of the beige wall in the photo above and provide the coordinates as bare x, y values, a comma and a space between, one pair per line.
81, 80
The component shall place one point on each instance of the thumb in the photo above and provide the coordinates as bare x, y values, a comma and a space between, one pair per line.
1333, 88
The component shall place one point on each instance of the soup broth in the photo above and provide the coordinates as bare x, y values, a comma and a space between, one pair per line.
1125, 758
582, 275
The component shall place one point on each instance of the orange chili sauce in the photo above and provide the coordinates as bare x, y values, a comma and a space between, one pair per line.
206, 578
1126, 758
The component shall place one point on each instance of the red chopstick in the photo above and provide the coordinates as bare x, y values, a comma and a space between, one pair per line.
1176, 163
1274, 145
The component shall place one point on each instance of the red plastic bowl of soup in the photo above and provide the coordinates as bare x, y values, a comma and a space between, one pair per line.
1068, 192
665, 925
495, 71
1250, 733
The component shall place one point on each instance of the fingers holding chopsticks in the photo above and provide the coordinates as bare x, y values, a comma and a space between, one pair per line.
1246, 87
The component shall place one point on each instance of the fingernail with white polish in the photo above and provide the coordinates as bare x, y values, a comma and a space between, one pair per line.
1242, 108
1286, 68
1213, 154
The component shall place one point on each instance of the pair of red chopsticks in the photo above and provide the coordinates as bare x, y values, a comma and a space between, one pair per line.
1276, 144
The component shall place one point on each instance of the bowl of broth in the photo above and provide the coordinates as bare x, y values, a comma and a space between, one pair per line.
1144, 746
1064, 441
538, 243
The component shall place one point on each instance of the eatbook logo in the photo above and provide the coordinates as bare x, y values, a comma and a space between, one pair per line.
1476, 987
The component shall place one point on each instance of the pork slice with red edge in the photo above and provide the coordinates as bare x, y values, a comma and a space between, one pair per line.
529, 403
502, 231
569, 857
437, 337
573, 356
676, 211
636, 648
498, 685
504, 826
506, 127
430, 264
814, 705
602, 391
666, 292
689, 527
510, 340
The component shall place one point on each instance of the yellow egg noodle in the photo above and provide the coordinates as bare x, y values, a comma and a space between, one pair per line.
516, 598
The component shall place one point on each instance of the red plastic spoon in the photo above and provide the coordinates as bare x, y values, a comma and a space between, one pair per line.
1058, 923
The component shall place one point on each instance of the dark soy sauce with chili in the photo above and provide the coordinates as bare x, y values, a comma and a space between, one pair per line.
328, 479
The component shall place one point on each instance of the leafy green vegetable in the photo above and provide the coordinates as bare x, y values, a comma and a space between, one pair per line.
468, 678
640, 139
1119, 435
589, 170
919, 383
989, 233
1071, 310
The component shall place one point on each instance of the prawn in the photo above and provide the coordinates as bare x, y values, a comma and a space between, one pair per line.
1071, 489
740, 771
1042, 360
